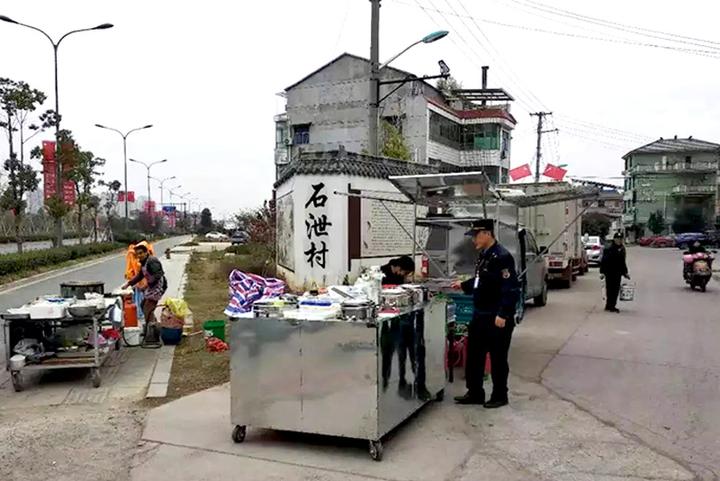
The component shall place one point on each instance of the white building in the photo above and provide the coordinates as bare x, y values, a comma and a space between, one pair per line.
325, 237
329, 108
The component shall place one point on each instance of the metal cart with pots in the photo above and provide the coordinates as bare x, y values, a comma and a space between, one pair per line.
354, 379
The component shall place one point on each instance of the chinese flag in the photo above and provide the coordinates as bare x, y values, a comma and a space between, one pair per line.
121, 196
131, 196
554, 172
520, 172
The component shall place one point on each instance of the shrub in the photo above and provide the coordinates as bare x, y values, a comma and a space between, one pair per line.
31, 260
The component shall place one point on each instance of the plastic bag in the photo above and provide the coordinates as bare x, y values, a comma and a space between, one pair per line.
178, 307
28, 347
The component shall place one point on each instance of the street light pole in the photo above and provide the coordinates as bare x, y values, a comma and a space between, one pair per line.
125, 159
162, 182
58, 150
148, 166
375, 68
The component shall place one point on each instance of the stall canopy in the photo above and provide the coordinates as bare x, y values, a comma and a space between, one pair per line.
446, 190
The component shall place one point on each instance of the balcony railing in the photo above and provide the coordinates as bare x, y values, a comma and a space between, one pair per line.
699, 167
694, 189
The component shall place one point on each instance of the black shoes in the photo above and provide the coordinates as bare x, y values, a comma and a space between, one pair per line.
492, 404
612, 309
469, 398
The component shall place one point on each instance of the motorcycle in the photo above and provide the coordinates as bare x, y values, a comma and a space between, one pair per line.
697, 269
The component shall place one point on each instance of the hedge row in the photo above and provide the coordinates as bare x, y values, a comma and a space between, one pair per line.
30, 260
9, 239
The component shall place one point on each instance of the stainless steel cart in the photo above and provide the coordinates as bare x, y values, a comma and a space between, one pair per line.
17, 326
347, 379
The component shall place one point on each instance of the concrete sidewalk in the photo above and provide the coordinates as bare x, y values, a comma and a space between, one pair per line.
539, 437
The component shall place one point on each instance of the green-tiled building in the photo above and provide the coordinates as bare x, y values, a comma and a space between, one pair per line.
667, 176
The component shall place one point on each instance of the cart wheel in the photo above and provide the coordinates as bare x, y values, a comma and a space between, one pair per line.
376, 450
16, 381
96, 378
238, 434
440, 396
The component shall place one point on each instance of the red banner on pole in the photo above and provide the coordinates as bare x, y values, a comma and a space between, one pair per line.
555, 172
48, 151
520, 172
69, 192
131, 196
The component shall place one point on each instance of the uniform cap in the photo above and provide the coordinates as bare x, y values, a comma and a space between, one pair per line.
618, 235
481, 225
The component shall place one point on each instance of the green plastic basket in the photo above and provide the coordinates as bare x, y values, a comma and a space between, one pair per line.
463, 307
216, 327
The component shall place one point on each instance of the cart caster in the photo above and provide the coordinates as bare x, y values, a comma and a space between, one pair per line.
16, 380
238, 434
376, 450
96, 378
440, 396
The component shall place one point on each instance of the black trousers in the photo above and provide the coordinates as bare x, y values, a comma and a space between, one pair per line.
612, 290
485, 337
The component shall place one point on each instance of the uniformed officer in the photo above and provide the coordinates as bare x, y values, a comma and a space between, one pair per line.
495, 289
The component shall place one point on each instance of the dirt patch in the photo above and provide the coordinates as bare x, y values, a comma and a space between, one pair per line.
206, 292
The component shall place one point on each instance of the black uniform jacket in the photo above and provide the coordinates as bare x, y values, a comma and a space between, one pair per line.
495, 286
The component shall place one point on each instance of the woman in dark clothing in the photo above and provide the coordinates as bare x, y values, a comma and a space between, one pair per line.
152, 271
613, 268
396, 271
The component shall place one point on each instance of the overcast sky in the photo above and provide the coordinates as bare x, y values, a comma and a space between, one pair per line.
206, 75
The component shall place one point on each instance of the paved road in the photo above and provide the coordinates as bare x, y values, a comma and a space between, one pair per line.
10, 248
653, 370
110, 271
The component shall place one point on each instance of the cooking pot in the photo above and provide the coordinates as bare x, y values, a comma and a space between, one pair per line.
419, 294
395, 298
357, 310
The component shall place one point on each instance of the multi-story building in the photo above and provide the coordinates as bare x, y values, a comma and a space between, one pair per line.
464, 130
667, 176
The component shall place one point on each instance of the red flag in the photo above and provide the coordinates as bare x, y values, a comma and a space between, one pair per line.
520, 172
48, 151
554, 172
121, 196
131, 196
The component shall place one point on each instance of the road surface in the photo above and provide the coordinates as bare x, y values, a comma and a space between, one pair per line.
653, 370
110, 271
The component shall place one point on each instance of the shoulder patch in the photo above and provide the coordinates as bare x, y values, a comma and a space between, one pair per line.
506, 273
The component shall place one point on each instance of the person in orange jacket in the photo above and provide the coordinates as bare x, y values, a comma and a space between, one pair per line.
133, 268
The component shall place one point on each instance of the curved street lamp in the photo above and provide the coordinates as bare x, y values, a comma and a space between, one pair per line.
148, 166
58, 168
429, 38
162, 183
125, 160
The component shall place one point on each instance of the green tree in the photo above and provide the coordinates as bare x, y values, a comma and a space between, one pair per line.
17, 101
83, 171
206, 222
656, 223
394, 145
446, 86
596, 224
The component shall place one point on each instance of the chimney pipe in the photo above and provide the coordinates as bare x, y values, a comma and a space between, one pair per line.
485, 69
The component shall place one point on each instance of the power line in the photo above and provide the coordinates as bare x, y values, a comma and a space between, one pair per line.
657, 34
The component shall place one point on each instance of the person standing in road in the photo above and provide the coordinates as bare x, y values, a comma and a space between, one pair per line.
613, 268
496, 290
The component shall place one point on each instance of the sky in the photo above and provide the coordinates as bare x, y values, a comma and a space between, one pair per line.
207, 74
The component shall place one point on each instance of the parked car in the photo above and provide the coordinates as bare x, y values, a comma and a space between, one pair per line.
593, 248
713, 238
239, 238
685, 240
662, 241
216, 236
646, 241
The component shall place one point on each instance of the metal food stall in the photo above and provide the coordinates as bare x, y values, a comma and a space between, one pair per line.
56, 332
355, 377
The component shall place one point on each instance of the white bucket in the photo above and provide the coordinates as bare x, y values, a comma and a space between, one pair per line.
131, 336
627, 292
17, 362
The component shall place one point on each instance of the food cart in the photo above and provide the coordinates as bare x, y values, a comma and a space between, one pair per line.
355, 377
62, 333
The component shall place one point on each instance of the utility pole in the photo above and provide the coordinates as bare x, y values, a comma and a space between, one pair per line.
538, 149
374, 77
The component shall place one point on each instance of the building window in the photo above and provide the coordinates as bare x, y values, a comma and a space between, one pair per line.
280, 134
505, 148
481, 137
688, 162
601, 203
301, 134
444, 131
